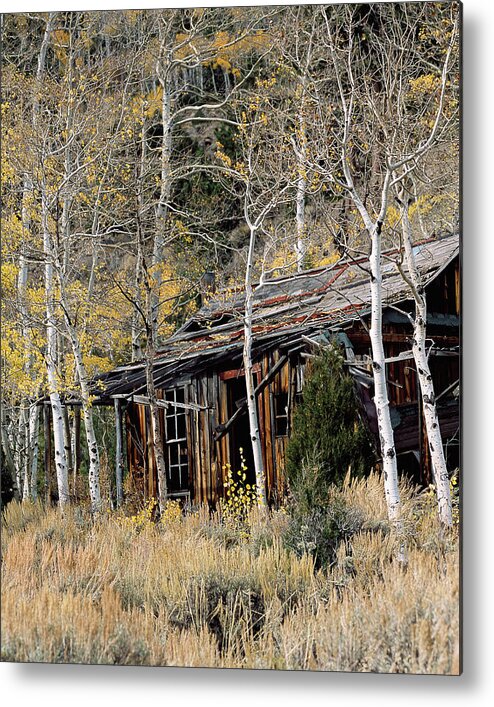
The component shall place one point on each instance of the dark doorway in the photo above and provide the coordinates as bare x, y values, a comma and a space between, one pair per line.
239, 433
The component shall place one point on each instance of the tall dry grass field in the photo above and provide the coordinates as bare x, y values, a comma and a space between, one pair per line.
199, 591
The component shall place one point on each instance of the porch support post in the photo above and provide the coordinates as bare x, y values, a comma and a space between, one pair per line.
119, 461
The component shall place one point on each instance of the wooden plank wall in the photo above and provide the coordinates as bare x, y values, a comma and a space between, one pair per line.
208, 458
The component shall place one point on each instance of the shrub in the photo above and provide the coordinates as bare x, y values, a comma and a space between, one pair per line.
240, 498
320, 518
327, 426
79, 590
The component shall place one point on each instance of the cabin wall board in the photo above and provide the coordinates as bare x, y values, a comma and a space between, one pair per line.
209, 459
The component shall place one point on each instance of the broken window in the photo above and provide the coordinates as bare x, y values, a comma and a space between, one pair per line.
176, 441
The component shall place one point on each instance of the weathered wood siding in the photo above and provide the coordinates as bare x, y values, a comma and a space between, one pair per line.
209, 458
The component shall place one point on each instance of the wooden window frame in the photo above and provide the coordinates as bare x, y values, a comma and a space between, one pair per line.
280, 420
178, 442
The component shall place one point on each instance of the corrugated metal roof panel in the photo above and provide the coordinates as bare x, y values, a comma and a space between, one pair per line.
325, 297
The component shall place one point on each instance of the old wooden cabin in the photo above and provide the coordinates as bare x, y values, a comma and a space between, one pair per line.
200, 381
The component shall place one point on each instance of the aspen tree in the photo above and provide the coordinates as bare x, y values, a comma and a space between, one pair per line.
371, 70
265, 171
420, 354
51, 330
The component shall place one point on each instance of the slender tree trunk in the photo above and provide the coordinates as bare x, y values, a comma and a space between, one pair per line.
301, 153
87, 413
152, 282
26, 486
162, 210
33, 448
249, 379
51, 333
419, 349
51, 363
137, 320
76, 451
82, 376
48, 451
67, 441
156, 437
381, 401
373, 228
21, 293
20, 449
136, 326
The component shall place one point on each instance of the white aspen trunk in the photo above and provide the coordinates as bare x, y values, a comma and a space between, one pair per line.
65, 224
40, 69
301, 153
162, 210
157, 439
67, 441
226, 77
76, 447
87, 413
94, 254
119, 460
300, 249
136, 323
24, 458
74, 337
19, 450
51, 333
136, 318
60, 461
26, 485
32, 426
67, 200
381, 401
34, 414
419, 349
48, 452
249, 379
51, 359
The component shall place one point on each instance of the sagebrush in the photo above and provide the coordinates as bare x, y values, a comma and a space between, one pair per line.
191, 592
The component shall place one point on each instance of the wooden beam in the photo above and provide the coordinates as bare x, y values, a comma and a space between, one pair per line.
403, 356
312, 342
223, 429
144, 400
358, 337
118, 451
448, 389
238, 372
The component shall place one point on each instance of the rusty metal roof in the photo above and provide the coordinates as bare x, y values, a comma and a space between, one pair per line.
284, 307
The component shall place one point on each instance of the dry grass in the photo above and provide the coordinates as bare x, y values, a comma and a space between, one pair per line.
197, 593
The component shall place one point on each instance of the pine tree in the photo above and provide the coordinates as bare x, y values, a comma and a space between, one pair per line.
327, 428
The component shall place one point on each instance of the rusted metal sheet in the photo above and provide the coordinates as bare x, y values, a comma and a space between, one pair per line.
325, 297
